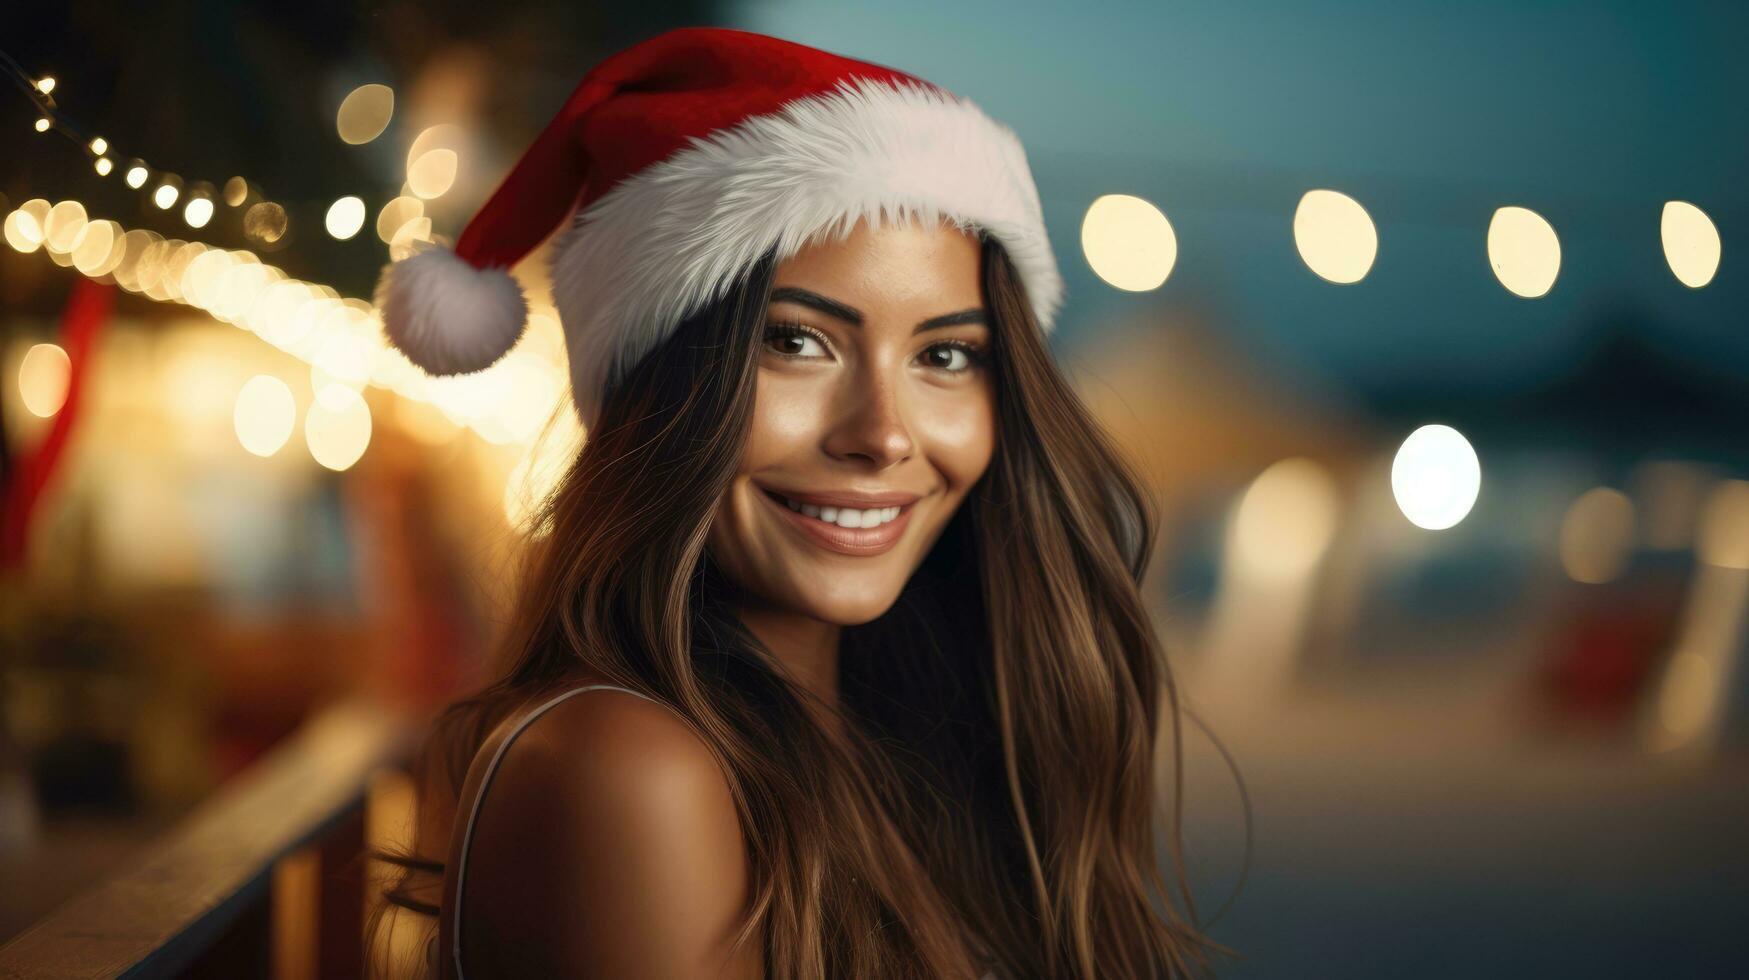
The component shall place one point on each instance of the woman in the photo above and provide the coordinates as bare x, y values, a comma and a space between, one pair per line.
830, 660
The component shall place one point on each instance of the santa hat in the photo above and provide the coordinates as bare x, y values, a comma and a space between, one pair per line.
675, 166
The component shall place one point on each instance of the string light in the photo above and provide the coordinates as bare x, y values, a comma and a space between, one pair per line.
101, 152
198, 212
341, 339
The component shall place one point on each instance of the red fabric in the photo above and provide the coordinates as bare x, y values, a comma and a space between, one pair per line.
86, 312
637, 108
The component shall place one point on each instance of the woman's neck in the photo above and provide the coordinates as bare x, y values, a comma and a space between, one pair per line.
807, 648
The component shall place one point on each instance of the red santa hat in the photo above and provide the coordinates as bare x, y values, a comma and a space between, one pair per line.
675, 166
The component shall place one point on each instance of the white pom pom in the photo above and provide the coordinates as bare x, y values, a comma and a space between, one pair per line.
447, 316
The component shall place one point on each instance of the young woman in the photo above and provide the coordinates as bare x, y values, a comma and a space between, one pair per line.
830, 660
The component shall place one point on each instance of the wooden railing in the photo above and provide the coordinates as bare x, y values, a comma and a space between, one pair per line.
261, 880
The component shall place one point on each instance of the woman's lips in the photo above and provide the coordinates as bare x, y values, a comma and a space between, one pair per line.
862, 542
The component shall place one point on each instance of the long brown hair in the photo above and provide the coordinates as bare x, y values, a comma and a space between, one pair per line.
997, 806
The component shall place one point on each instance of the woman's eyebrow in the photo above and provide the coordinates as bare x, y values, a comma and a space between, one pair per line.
853, 316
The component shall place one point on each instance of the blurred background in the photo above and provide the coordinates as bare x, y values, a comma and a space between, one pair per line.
1425, 322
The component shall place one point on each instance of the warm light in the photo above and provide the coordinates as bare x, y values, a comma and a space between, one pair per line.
23, 231
45, 84
1128, 242
1722, 539
1524, 251
1596, 535
136, 176
1691, 243
337, 427
1436, 477
236, 191
92, 250
43, 124
406, 241
61, 229
1684, 703
198, 212
43, 378
1285, 521
433, 173
345, 217
265, 415
365, 113
396, 214
165, 196
265, 222
1335, 236
100, 146
104, 165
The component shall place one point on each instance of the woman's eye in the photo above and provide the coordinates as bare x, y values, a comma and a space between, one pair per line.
952, 358
793, 341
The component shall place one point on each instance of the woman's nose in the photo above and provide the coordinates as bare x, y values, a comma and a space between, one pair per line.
870, 422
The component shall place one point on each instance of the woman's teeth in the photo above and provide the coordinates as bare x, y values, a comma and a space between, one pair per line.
845, 516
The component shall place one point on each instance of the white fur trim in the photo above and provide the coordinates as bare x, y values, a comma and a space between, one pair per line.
447, 316
671, 238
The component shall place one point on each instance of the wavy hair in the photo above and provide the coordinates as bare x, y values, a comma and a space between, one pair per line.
997, 805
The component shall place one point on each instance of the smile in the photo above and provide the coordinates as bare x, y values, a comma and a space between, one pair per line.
858, 531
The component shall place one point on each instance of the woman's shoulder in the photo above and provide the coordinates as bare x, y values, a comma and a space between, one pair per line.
606, 833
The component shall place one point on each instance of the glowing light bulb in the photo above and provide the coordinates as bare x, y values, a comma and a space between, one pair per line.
103, 166
1436, 477
99, 146
165, 196
198, 212
136, 176
45, 84
345, 217
42, 125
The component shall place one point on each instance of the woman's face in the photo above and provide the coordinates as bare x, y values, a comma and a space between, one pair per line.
875, 415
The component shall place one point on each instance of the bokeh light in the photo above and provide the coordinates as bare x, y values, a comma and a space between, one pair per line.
395, 215
1691, 243
265, 415
198, 212
1335, 236
265, 222
1285, 521
433, 173
43, 379
337, 427
1436, 477
1524, 251
1597, 534
365, 113
1128, 242
345, 217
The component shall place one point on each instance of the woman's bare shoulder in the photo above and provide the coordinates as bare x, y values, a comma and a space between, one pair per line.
608, 837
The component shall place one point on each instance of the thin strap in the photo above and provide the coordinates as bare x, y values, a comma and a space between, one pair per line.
461, 868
